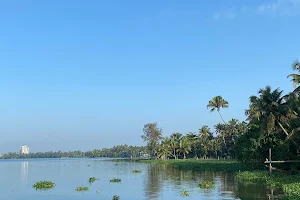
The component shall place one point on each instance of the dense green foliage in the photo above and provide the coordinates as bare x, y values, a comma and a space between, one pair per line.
274, 122
289, 183
43, 185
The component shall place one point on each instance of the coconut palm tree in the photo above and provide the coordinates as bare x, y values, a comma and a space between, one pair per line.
184, 146
214, 146
204, 131
193, 138
221, 131
176, 136
164, 149
296, 77
216, 104
271, 109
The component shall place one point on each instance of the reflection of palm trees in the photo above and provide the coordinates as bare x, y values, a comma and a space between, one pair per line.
153, 182
24, 171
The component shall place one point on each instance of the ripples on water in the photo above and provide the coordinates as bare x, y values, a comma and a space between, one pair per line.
156, 182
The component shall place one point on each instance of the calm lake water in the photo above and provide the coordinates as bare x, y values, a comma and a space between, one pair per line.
155, 181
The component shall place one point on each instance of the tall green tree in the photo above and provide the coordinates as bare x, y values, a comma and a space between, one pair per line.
270, 109
216, 104
152, 135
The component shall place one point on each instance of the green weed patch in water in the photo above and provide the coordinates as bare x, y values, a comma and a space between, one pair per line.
43, 185
116, 197
81, 189
185, 193
92, 179
290, 184
115, 180
136, 171
206, 185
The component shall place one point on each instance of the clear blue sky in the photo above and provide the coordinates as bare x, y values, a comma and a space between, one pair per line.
89, 74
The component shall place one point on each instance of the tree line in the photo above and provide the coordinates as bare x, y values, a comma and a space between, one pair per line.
273, 121
119, 151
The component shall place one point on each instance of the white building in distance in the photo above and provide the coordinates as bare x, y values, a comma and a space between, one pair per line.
24, 149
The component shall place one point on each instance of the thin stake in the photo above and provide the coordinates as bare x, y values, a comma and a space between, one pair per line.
270, 159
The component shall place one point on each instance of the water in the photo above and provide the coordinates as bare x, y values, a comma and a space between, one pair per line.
156, 182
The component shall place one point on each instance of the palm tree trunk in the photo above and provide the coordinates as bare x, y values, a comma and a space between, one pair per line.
174, 154
221, 117
287, 134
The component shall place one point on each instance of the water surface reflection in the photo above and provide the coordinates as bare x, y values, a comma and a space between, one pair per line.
24, 171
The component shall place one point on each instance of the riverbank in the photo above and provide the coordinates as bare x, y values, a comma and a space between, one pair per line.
207, 164
290, 184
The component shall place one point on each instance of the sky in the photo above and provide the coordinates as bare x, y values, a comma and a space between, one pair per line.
81, 75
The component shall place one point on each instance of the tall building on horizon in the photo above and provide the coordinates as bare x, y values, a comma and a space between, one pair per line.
24, 149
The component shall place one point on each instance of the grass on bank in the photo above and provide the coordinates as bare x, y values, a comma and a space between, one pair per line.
44, 185
207, 165
290, 184
81, 189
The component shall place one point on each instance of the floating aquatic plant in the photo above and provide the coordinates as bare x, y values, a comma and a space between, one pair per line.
116, 197
185, 193
136, 171
82, 189
43, 185
206, 185
115, 180
92, 179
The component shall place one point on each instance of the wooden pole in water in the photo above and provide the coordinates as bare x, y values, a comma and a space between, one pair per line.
270, 159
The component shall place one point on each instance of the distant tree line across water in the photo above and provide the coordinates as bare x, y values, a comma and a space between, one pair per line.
119, 151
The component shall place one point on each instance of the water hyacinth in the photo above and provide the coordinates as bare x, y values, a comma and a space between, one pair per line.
115, 180
82, 188
116, 197
185, 193
92, 179
206, 185
43, 185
